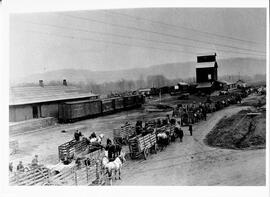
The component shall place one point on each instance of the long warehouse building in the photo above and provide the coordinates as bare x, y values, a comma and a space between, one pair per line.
42, 101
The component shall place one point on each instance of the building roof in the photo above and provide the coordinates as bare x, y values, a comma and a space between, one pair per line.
224, 82
205, 85
240, 81
38, 94
206, 65
145, 90
182, 83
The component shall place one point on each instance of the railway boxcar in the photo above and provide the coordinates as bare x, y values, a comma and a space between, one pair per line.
75, 110
139, 99
130, 101
108, 106
119, 103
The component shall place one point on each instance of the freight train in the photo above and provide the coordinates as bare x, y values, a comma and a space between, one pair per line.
77, 110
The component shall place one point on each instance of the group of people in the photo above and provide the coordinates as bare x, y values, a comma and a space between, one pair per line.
92, 139
194, 112
190, 113
149, 126
21, 168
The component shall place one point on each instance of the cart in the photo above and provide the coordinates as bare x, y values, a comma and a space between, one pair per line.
72, 148
141, 145
122, 134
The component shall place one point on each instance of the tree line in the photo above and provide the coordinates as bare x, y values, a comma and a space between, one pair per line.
141, 83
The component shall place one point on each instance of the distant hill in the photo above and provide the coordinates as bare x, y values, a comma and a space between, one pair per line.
233, 66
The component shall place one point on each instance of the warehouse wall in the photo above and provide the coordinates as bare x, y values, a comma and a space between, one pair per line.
49, 110
20, 113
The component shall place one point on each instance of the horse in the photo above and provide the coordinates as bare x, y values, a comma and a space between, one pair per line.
178, 133
96, 138
115, 166
162, 140
114, 150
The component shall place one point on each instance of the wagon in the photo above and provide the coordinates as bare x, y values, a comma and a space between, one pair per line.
141, 145
72, 148
122, 134
166, 129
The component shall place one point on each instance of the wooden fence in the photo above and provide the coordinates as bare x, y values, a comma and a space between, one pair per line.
92, 174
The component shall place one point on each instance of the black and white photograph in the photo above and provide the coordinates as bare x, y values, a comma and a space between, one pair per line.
138, 96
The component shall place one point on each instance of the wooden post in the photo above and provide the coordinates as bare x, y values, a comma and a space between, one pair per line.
49, 177
17, 178
97, 174
87, 174
75, 176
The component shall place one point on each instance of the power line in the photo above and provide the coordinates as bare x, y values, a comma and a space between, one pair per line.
137, 38
182, 27
111, 42
158, 33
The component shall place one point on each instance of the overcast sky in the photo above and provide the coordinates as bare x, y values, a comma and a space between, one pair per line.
128, 38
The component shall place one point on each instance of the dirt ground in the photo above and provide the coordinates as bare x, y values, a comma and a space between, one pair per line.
239, 131
188, 163
46, 141
194, 163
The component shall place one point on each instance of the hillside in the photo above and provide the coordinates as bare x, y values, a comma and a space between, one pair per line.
244, 66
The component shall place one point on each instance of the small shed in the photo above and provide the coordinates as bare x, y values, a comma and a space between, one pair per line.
241, 84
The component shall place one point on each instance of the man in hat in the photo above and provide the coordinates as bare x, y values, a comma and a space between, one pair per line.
190, 129
77, 135
20, 167
35, 161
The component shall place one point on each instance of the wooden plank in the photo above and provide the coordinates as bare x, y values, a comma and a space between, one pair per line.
31, 174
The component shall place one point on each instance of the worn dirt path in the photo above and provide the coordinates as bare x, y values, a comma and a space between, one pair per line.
194, 163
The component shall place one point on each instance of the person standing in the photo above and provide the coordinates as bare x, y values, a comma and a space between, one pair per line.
168, 119
10, 167
181, 133
77, 135
20, 167
35, 161
190, 129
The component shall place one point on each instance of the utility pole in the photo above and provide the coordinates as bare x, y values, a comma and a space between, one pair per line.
160, 95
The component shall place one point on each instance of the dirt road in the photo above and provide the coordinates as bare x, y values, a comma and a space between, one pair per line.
188, 163
194, 163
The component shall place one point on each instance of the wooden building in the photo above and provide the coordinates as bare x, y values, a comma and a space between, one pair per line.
42, 101
241, 84
207, 73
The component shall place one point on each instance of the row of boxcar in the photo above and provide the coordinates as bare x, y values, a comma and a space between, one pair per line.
77, 110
